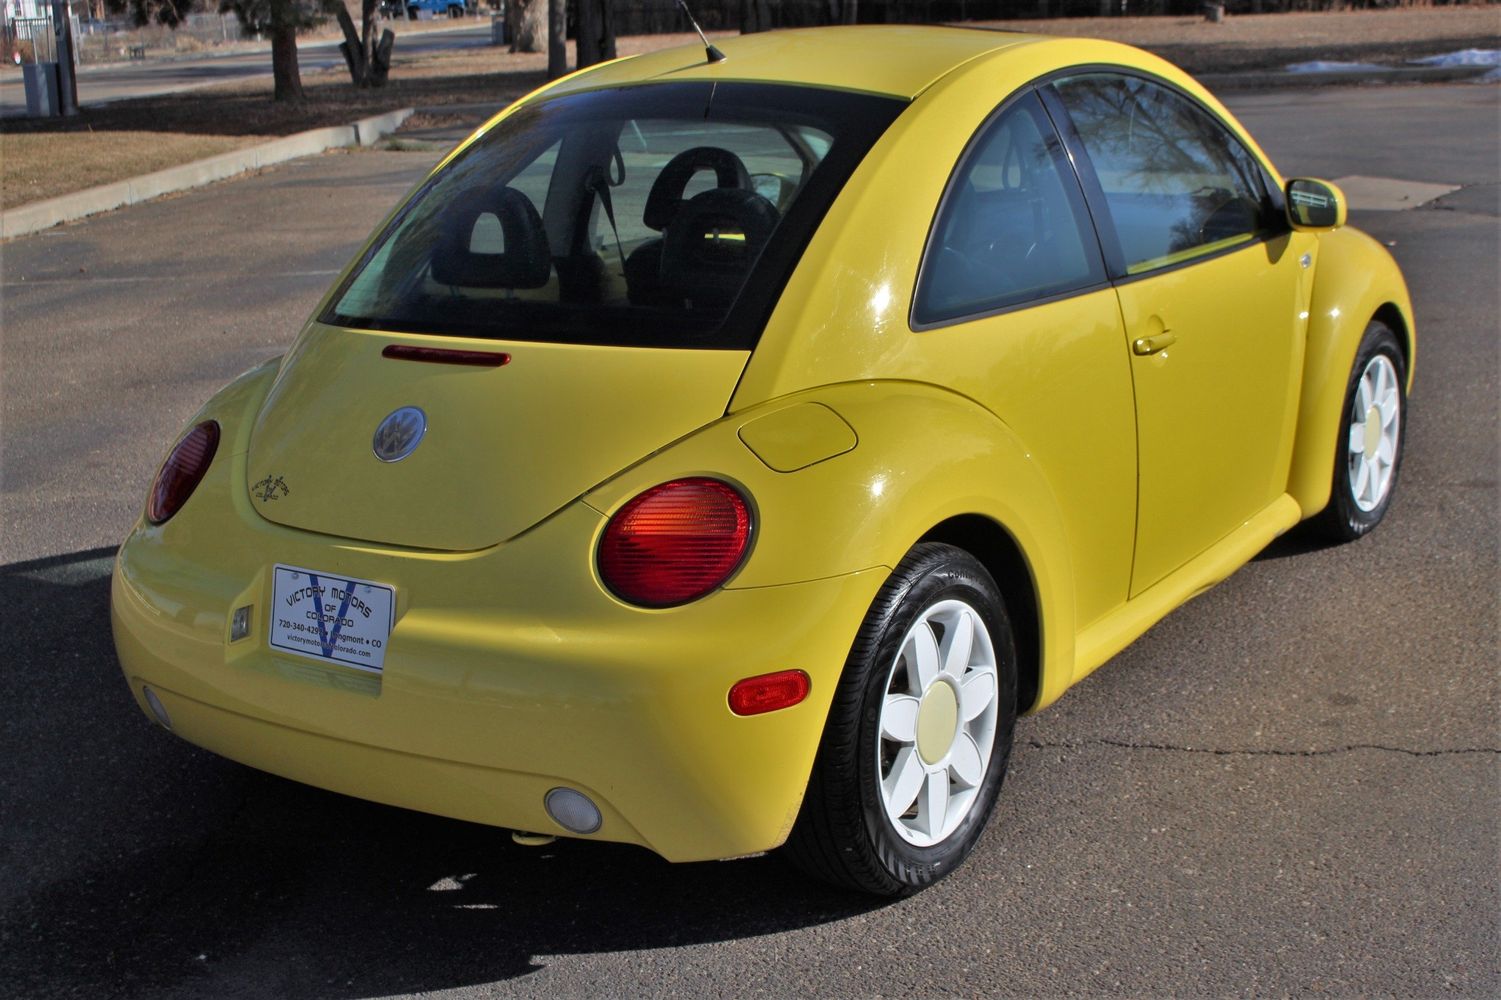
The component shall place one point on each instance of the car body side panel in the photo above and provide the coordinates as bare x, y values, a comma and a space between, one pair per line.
1354, 277
867, 507
1057, 374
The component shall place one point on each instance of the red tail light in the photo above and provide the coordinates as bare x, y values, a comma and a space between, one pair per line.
675, 543
182, 471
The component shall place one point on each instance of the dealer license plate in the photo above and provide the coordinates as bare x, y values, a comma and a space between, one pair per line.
330, 617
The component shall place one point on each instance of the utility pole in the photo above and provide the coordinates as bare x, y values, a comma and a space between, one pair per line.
67, 84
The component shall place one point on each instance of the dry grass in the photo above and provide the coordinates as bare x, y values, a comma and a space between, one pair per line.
42, 165
102, 143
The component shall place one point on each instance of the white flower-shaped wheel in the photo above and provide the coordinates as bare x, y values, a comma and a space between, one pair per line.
916, 746
1375, 429
938, 723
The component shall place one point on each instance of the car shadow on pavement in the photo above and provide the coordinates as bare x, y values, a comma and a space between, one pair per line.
134, 864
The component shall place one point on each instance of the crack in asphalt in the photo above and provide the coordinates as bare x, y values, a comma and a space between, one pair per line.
1218, 752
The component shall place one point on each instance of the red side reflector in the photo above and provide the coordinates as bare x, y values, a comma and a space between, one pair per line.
769, 692
446, 356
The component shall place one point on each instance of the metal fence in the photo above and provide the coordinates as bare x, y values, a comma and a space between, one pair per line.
119, 38
32, 39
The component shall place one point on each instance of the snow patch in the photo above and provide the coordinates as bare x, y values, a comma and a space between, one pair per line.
1464, 57
1327, 66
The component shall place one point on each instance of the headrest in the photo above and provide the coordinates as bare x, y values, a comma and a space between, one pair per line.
712, 243
666, 195
524, 260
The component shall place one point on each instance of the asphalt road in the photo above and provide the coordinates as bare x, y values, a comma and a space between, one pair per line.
102, 84
1292, 785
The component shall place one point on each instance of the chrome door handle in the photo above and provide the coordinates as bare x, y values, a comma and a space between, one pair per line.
1151, 345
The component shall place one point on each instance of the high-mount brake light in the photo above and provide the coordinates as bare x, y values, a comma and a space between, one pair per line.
675, 542
181, 473
446, 356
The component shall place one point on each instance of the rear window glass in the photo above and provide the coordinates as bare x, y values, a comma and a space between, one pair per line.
658, 215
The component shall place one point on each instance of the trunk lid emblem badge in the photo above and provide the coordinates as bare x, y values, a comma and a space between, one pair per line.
398, 435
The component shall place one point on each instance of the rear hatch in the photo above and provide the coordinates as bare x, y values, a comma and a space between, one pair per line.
504, 446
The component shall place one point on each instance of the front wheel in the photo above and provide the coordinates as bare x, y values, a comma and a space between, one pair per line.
918, 737
1368, 450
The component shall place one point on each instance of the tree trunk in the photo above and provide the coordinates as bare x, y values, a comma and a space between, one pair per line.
557, 38
755, 15
288, 80
359, 48
355, 56
382, 68
528, 25
596, 32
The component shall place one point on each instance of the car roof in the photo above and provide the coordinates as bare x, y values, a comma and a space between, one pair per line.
896, 60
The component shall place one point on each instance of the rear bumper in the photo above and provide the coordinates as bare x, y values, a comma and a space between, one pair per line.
508, 672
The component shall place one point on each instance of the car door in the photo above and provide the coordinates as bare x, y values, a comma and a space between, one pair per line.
1211, 287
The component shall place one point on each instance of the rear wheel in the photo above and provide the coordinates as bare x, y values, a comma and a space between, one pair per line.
917, 740
1368, 450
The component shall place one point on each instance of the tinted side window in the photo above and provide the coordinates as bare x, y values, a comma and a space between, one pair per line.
1012, 228
1178, 184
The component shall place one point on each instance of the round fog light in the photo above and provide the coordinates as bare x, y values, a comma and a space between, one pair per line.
157, 708
572, 810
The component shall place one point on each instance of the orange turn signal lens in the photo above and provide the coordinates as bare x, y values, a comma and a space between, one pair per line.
769, 692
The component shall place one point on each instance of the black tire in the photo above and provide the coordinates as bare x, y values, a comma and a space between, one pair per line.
844, 834
1349, 516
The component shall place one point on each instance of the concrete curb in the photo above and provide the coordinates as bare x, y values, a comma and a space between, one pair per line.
65, 208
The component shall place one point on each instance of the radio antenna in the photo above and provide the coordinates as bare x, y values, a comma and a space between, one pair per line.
714, 54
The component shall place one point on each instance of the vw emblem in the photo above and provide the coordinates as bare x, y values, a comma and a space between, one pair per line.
399, 434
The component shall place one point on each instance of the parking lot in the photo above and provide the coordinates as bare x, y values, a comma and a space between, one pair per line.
1293, 784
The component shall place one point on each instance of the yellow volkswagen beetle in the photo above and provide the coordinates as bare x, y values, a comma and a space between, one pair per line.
717, 454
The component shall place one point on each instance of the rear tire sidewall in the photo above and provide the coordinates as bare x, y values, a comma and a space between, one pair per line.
955, 576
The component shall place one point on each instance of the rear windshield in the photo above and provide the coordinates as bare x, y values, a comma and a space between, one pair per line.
661, 215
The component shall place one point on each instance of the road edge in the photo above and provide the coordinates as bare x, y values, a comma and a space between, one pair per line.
41, 215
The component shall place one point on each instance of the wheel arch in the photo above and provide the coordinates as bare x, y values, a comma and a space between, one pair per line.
1356, 281
1003, 558
1391, 315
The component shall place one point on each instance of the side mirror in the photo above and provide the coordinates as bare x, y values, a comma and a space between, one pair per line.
1314, 204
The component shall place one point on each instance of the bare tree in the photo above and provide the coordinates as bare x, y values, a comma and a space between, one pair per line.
843, 11
369, 61
528, 25
596, 32
755, 15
